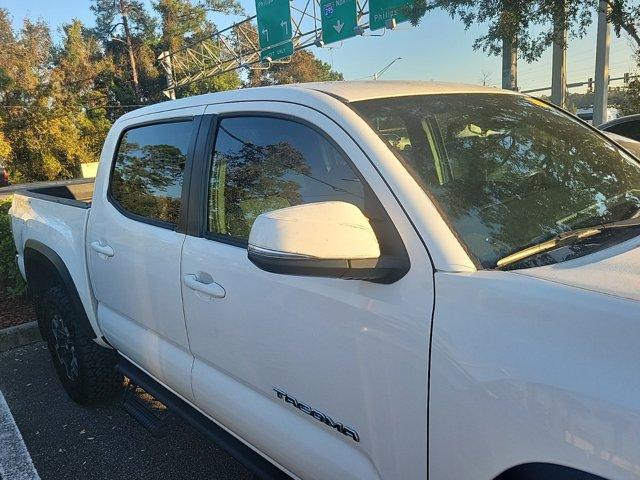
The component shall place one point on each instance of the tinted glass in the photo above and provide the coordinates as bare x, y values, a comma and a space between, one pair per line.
148, 173
262, 164
629, 129
507, 171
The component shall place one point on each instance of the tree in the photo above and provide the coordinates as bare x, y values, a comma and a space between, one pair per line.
79, 90
509, 23
125, 22
625, 16
184, 22
518, 28
46, 93
630, 102
303, 67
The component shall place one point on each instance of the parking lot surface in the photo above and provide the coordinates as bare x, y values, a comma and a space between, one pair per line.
68, 441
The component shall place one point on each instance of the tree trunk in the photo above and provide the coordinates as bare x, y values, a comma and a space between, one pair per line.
509, 63
559, 68
129, 44
603, 39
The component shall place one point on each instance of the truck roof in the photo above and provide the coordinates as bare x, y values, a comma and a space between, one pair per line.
348, 91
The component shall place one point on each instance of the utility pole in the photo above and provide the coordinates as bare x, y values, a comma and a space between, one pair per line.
600, 101
559, 68
165, 61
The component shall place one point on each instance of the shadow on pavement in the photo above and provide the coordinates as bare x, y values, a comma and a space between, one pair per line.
68, 441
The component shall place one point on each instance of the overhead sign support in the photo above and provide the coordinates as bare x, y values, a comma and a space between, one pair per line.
282, 28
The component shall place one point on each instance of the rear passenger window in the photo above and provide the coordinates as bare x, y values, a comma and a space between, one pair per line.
262, 164
148, 172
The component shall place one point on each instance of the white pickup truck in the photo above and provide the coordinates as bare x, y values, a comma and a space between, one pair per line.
375, 280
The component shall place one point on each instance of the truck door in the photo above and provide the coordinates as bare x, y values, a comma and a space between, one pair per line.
327, 377
134, 243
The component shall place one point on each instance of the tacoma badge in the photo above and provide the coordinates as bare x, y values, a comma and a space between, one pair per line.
321, 417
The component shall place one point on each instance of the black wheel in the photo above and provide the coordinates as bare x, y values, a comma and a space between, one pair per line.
87, 371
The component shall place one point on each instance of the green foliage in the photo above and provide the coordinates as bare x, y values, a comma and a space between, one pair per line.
630, 102
625, 16
529, 24
58, 100
10, 278
184, 22
532, 25
303, 67
45, 121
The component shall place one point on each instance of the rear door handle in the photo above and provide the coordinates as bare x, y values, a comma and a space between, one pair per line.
211, 289
102, 249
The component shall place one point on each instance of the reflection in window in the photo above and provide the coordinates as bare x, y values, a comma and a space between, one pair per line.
148, 173
263, 164
507, 171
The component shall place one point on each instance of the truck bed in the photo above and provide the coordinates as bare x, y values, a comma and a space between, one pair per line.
75, 193
54, 216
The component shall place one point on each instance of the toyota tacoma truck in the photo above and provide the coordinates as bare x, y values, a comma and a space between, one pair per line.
374, 280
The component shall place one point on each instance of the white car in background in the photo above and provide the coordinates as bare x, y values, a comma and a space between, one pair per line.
368, 280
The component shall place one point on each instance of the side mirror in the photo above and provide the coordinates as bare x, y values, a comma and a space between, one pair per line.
326, 239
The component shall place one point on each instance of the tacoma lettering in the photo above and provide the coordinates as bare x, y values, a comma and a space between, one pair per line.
321, 417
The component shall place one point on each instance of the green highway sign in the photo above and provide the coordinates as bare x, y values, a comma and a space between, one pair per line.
274, 28
382, 11
280, 51
339, 19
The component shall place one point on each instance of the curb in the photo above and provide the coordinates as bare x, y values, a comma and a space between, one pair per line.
18, 336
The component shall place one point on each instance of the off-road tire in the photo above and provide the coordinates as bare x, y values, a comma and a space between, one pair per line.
93, 377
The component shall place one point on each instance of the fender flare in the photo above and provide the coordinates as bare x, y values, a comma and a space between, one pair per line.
546, 471
39, 256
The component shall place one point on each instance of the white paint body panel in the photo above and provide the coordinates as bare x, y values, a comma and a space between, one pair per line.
526, 370
538, 365
138, 288
63, 229
327, 230
350, 349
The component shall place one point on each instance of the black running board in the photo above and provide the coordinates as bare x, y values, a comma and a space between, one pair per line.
253, 461
142, 413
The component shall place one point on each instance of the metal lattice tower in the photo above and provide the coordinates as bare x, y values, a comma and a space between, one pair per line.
237, 46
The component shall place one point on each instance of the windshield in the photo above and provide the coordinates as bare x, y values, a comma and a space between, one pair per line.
506, 171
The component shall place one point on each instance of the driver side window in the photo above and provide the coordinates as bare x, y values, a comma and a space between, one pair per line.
261, 164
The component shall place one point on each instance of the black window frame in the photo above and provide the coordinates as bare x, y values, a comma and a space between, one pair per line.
181, 226
199, 198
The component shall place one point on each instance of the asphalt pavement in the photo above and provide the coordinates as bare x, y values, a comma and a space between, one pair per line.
67, 441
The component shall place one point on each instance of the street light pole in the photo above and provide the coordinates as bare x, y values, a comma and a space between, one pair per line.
380, 72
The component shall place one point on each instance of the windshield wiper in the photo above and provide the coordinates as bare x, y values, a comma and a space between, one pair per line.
565, 238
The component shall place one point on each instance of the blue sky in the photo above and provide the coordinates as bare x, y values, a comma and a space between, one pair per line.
438, 49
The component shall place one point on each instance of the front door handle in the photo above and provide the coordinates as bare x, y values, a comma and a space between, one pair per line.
211, 289
102, 249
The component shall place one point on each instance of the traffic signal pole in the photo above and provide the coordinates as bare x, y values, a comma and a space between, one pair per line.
601, 97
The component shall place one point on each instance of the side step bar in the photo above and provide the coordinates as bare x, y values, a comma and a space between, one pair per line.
254, 462
142, 413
